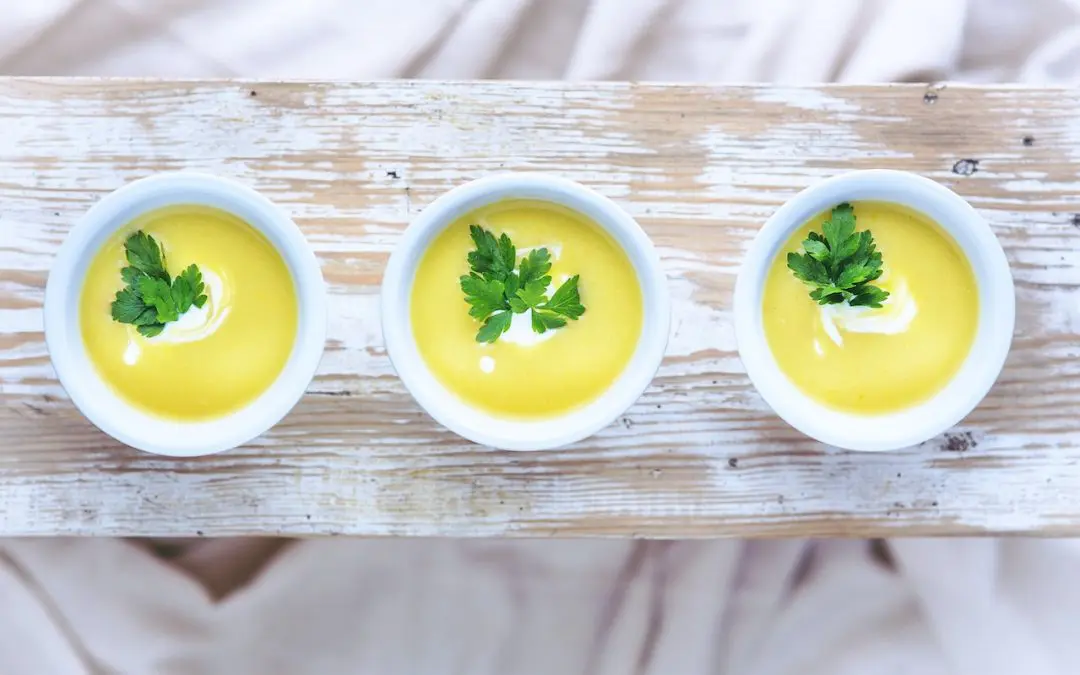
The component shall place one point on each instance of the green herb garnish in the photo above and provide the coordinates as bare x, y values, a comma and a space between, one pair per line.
150, 298
495, 291
840, 263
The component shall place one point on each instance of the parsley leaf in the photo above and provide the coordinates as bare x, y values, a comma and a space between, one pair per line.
531, 295
494, 326
495, 292
130, 275
535, 265
869, 296
144, 254
128, 306
839, 263
188, 289
808, 268
493, 259
839, 227
816, 249
543, 321
483, 296
511, 285
158, 293
150, 298
566, 301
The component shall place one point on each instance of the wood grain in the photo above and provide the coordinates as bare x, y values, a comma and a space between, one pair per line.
700, 167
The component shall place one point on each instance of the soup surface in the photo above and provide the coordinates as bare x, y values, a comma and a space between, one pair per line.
524, 374
864, 360
215, 359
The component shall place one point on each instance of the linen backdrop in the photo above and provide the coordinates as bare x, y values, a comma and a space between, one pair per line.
446, 606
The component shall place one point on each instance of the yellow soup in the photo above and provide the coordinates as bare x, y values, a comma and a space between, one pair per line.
877, 360
215, 359
520, 375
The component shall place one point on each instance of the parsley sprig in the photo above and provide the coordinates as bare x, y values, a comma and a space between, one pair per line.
150, 298
495, 291
840, 263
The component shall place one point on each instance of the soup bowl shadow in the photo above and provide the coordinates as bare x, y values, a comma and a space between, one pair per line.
505, 433
96, 399
977, 374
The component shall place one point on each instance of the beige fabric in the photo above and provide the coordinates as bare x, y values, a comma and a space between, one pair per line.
496, 607
715, 40
428, 606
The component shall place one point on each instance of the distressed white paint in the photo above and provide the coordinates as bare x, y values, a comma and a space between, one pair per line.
700, 167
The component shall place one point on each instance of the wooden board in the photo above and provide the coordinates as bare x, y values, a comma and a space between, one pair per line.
700, 167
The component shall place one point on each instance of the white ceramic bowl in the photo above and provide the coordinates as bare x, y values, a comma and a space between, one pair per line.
911, 426
107, 410
446, 407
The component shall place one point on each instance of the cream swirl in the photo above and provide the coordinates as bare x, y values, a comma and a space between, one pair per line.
198, 323
893, 317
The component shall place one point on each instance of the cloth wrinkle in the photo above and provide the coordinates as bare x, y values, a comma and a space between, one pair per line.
787, 607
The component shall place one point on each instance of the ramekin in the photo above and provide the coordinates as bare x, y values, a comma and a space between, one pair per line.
507, 433
97, 400
910, 426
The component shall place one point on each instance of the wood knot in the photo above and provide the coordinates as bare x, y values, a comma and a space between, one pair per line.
959, 442
965, 167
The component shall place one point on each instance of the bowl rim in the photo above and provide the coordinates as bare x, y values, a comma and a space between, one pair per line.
451, 411
986, 358
111, 412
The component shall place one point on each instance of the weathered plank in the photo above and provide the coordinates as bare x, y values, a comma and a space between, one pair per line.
700, 167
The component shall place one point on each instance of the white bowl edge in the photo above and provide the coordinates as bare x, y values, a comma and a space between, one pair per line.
445, 406
980, 369
104, 407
